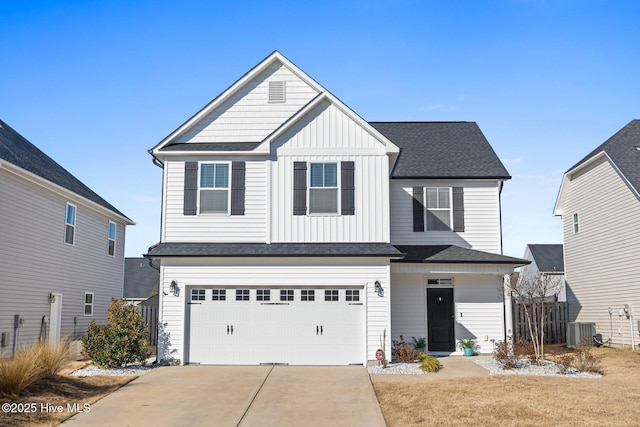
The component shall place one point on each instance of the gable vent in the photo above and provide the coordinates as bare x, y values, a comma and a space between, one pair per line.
276, 91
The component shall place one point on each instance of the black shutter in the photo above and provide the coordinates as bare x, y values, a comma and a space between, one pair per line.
347, 188
299, 188
458, 209
190, 206
418, 208
237, 188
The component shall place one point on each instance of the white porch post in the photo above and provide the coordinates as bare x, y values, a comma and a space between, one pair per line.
508, 309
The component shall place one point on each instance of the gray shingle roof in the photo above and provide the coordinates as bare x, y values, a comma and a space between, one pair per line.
17, 150
454, 254
623, 151
213, 146
548, 258
273, 250
140, 279
442, 150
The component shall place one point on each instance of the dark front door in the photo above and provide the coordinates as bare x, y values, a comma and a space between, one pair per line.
440, 318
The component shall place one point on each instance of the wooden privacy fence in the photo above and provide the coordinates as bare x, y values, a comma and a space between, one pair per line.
555, 325
150, 315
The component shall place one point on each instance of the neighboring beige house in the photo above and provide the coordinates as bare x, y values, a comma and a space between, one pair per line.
61, 248
599, 202
293, 231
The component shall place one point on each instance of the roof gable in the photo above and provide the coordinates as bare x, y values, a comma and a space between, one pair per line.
442, 150
18, 151
548, 257
622, 150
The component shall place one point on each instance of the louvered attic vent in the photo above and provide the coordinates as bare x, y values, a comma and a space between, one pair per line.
276, 91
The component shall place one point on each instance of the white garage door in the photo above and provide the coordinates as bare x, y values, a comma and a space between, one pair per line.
315, 326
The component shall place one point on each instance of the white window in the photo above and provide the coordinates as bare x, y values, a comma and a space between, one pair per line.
576, 223
286, 295
352, 295
263, 295
218, 294
197, 294
214, 188
438, 208
307, 295
70, 225
112, 238
242, 294
88, 303
444, 282
323, 189
331, 295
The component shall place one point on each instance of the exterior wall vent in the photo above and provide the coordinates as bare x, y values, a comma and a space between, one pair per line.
277, 91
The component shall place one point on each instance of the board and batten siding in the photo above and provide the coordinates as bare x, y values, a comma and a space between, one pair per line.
247, 116
218, 228
35, 261
478, 307
601, 260
272, 272
328, 135
481, 215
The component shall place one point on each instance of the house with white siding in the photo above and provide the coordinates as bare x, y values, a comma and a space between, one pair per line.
547, 262
61, 248
293, 231
599, 202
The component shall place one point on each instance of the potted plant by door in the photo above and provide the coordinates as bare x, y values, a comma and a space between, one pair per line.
467, 346
420, 344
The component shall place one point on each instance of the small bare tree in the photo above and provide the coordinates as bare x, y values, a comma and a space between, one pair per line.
533, 291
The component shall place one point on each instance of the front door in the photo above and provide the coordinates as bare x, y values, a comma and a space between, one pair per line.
440, 318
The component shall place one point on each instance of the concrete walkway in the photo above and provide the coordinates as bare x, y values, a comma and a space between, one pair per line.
452, 367
243, 396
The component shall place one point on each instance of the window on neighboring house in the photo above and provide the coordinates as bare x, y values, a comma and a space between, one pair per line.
576, 223
88, 303
439, 208
307, 295
323, 191
112, 238
70, 225
214, 188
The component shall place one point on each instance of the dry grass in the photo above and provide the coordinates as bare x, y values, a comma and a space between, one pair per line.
60, 390
520, 400
19, 373
52, 357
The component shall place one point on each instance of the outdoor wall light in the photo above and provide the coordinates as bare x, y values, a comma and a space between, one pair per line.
378, 288
52, 298
174, 288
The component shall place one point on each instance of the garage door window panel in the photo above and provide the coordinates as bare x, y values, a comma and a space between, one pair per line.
352, 295
263, 295
198, 294
286, 295
242, 294
307, 295
331, 295
218, 295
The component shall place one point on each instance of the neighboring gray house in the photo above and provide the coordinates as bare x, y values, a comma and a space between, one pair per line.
140, 280
61, 248
293, 231
599, 202
546, 260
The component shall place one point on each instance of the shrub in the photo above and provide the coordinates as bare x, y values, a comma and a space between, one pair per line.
504, 354
122, 340
406, 353
21, 372
524, 350
585, 360
52, 357
428, 363
564, 362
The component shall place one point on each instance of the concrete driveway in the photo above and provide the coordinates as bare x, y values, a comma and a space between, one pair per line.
240, 396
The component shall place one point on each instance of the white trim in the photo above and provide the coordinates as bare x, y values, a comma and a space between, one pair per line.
85, 304
109, 239
68, 224
220, 189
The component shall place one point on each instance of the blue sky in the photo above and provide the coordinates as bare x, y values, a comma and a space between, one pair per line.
95, 84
